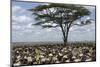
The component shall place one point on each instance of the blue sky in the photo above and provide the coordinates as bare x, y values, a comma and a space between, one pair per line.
23, 31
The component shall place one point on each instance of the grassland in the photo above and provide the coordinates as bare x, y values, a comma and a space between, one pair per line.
26, 54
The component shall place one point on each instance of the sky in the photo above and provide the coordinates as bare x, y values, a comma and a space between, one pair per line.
23, 31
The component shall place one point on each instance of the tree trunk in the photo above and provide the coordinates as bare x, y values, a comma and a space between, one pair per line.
66, 37
65, 41
65, 34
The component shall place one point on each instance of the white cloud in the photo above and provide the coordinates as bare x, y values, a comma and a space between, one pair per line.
90, 7
71, 29
54, 24
46, 24
16, 27
88, 18
22, 19
17, 9
88, 30
18, 14
48, 29
29, 26
27, 31
58, 28
91, 28
37, 33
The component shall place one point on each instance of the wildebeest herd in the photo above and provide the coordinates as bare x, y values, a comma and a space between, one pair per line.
26, 55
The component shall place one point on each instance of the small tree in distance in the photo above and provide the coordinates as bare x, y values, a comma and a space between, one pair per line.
60, 15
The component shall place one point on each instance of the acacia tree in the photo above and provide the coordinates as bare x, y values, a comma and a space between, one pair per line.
60, 15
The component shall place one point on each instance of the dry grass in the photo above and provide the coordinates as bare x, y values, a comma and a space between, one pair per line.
29, 54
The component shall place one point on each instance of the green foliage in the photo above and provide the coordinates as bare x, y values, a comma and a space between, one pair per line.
58, 13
